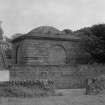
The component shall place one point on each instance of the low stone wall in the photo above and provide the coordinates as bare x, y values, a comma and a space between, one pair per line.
64, 76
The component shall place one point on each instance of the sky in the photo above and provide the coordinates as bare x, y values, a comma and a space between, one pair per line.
21, 16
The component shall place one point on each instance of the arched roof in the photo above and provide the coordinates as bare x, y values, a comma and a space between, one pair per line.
45, 30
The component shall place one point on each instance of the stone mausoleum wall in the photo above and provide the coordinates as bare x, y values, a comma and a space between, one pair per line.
63, 76
68, 76
44, 52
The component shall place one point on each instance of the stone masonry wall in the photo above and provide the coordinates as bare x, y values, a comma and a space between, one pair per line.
64, 76
45, 52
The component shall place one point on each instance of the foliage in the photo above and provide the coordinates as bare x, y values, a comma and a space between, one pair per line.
67, 31
93, 41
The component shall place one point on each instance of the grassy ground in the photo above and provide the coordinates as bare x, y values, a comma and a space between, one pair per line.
70, 97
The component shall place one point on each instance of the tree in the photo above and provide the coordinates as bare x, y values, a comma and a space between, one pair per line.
67, 31
93, 41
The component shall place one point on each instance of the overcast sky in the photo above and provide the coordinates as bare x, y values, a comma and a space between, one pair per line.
20, 16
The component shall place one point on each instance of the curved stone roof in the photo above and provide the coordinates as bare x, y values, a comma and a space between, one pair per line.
45, 30
16, 35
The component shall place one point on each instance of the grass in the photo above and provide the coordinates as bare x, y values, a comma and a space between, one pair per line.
70, 97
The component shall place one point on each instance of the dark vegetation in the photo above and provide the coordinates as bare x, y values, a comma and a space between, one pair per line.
93, 41
67, 31
95, 85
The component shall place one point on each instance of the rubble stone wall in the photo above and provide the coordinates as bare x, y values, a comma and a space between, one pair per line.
64, 76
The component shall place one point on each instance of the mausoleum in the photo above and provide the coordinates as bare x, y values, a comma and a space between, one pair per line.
45, 46
46, 53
